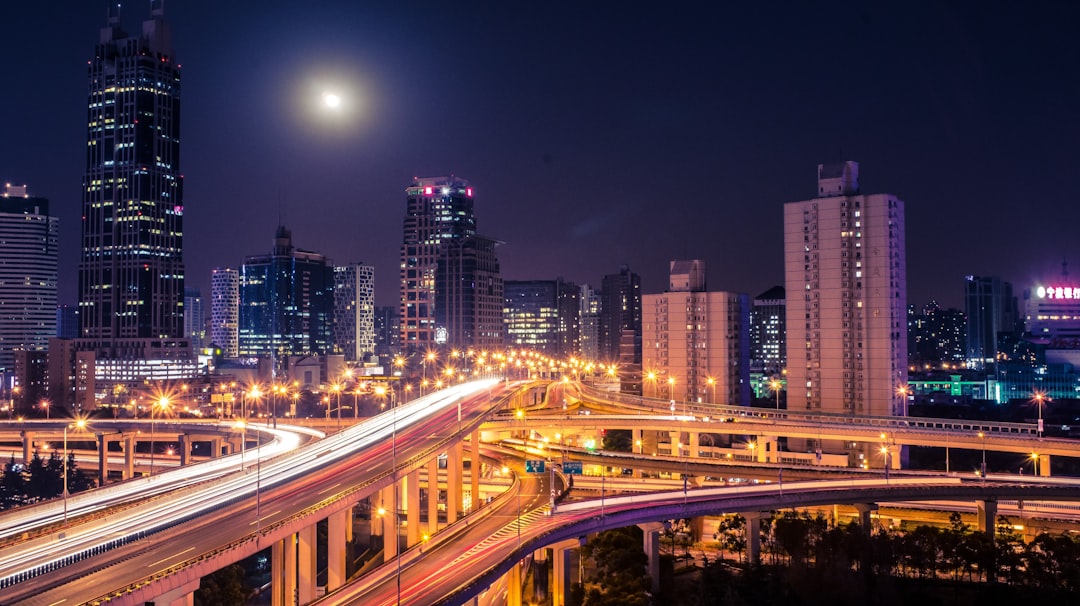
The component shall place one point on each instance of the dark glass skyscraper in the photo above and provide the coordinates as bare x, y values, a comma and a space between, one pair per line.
438, 210
131, 275
620, 317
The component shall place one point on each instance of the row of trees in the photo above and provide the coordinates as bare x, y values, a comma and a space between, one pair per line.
957, 552
40, 480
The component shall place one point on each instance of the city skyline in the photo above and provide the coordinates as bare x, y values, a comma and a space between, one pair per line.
593, 139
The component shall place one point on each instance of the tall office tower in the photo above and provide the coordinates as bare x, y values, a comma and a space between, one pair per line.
225, 310
438, 210
845, 271
544, 316
768, 332
354, 311
936, 336
387, 331
286, 302
468, 295
992, 315
620, 318
28, 268
131, 275
696, 343
194, 321
589, 313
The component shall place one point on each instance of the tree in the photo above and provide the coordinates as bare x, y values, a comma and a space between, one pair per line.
620, 562
225, 587
12, 485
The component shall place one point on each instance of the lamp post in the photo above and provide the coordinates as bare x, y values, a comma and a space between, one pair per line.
775, 385
711, 382
45, 406
1039, 397
650, 377
982, 469
163, 402
79, 424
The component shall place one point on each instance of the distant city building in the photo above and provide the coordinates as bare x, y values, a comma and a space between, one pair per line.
468, 295
768, 332
936, 336
131, 273
1052, 313
67, 321
354, 311
438, 210
387, 331
194, 320
845, 279
620, 318
286, 303
992, 320
28, 273
225, 310
590, 322
696, 343
543, 316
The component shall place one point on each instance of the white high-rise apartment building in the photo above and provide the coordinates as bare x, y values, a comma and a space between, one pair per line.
846, 289
354, 310
695, 344
225, 310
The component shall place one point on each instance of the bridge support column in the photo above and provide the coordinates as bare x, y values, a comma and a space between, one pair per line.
181, 596
676, 439
185, 449
865, 516
412, 508
987, 516
513, 585
390, 525
433, 496
215, 447
561, 571
129, 457
475, 470
652, 551
103, 459
766, 449
1044, 466
335, 548
692, 443
283, 572
307, 571
753, 536
27, 445
454, 470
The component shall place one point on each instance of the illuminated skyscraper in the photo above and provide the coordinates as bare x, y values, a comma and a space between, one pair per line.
354, 310
438, 210
544, 316
28, 267
225, 310
846, 298
469, 295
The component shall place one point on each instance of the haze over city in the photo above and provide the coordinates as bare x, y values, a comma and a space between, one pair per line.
593, 135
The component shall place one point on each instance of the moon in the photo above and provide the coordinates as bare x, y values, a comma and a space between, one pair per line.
332, 100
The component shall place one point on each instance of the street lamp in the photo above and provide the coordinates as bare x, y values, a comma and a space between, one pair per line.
45, 406
1039, 397
1035, 462
775, 385
79, 425
163, 402
671, 388
982, 470
651, 378
711, 382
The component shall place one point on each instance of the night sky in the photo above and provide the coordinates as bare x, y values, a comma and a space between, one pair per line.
594, 134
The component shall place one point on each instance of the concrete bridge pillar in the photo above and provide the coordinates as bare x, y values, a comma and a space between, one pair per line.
561, 571
27, 445
1044, 466
181, 596
676, 439
283, 590
987, 516
103, 459
433, 495
513, 585
307, 543
129, 457
185, 448
766, 449
412, 507
652, 551
865, 515
454, 472
753, 535
390, 525
692, 443
475, 469
335, 548
215, 447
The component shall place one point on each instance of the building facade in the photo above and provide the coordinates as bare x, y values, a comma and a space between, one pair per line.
468, 295
194, 320
619, 338
589, 314
354, 311
696, 344
844, 267
286, 303
438, 210
28, 272
225, 310
768, 332
544, 316
992, 320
